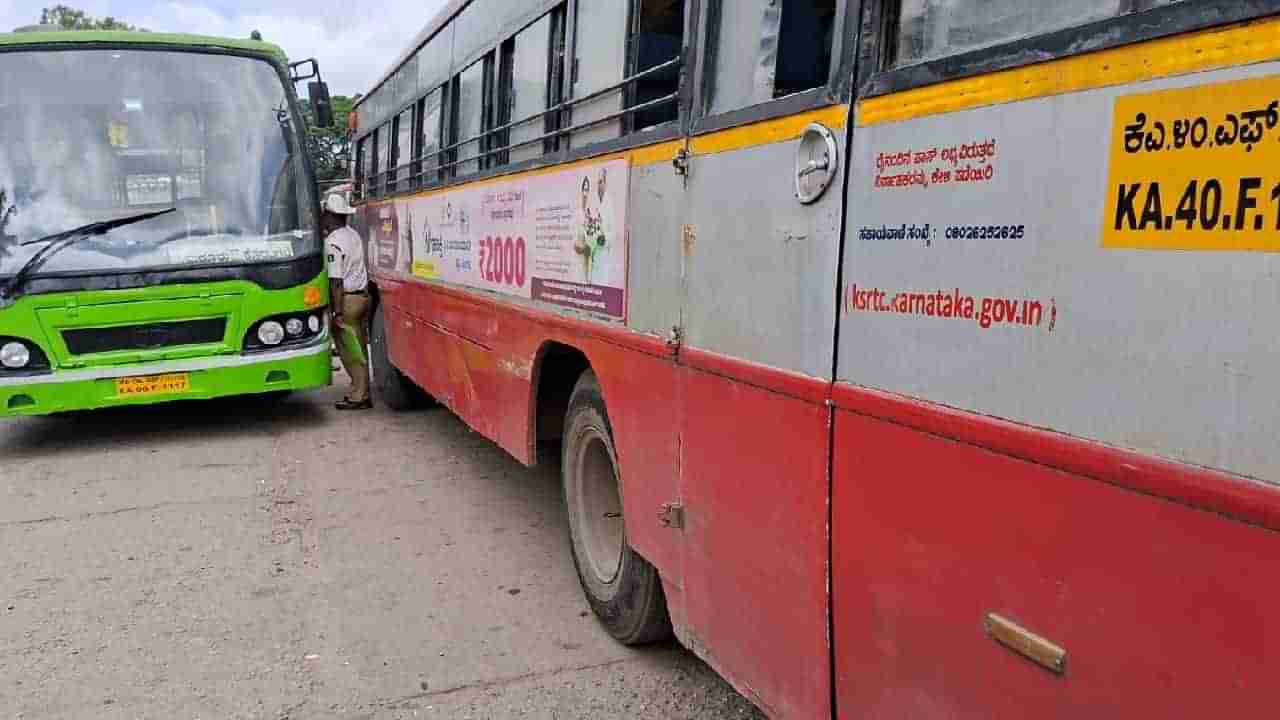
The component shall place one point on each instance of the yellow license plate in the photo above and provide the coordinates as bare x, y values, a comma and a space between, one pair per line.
153, 385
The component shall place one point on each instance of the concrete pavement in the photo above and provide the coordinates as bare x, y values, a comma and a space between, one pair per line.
250, 559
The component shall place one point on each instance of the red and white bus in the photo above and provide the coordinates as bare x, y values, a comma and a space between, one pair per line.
905, 358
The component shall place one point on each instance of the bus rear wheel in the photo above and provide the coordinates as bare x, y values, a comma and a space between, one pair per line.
390, 386
623, 589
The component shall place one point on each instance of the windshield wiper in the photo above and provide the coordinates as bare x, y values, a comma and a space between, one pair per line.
58, 242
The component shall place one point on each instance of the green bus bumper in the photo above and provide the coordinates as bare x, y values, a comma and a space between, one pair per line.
208, 377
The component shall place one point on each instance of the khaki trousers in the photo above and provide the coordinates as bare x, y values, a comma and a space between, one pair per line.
355, 314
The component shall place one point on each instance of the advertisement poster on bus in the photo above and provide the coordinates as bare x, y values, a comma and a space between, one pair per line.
387, 251
558, 238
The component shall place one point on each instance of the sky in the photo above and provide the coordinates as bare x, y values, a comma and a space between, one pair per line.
354, 47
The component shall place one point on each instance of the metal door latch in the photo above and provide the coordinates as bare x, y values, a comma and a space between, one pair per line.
675, 339
671, 515
681, 162
817, 163
816, 166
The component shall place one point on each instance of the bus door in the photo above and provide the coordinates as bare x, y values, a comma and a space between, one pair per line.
759, 252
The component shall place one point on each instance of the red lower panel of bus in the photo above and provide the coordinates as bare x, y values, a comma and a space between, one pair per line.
1164, 610
755, 493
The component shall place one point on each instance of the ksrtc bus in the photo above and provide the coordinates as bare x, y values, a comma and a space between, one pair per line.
907, 359
158, 222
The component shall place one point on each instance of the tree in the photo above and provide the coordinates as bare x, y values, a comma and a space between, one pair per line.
70, 18
330, 148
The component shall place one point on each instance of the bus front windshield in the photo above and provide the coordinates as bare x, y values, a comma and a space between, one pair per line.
92, 135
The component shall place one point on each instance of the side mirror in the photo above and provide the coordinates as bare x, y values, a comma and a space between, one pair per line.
318, 92
304, 70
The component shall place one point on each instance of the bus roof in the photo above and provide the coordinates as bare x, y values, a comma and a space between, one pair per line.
435, 25
141, 39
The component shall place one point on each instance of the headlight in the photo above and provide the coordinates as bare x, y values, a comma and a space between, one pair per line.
281, 331
271, 333
14, 355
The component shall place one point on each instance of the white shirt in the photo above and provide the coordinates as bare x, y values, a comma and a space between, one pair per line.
345, 253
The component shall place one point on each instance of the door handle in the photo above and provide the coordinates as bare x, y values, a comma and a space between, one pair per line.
816, 166
817, 163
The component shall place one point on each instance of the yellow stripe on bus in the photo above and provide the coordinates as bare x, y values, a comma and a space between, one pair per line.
768, 132
651, 155
1240, 44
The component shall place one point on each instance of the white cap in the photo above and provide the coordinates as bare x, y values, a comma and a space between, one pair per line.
337, 204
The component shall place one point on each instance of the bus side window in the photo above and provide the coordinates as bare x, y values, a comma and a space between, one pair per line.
931, 29
557, 89
368, 165
529, 67
361, 158
470, 107
429, 136
449, 129
658, 38
375, 186
398, 179
386, 142
488, 110
536, 55
767, 49
500, 140
600, 58
613, 46
415, 158
434, 60
804, 46
407, 84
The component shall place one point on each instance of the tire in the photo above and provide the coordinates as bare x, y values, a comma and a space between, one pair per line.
390, 386
623, 589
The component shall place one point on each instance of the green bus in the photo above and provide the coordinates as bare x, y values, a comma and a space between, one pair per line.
159, 222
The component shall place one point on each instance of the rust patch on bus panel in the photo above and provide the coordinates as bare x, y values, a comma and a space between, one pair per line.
522, 369
671, 515
459, 373
688, 239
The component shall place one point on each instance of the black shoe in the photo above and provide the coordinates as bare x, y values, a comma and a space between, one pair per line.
352, 405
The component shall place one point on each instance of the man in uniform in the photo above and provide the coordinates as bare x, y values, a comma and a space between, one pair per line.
349, 290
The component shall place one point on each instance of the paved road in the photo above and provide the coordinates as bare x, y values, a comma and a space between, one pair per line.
250, 560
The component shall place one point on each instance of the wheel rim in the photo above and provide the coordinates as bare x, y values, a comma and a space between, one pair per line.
603, 534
